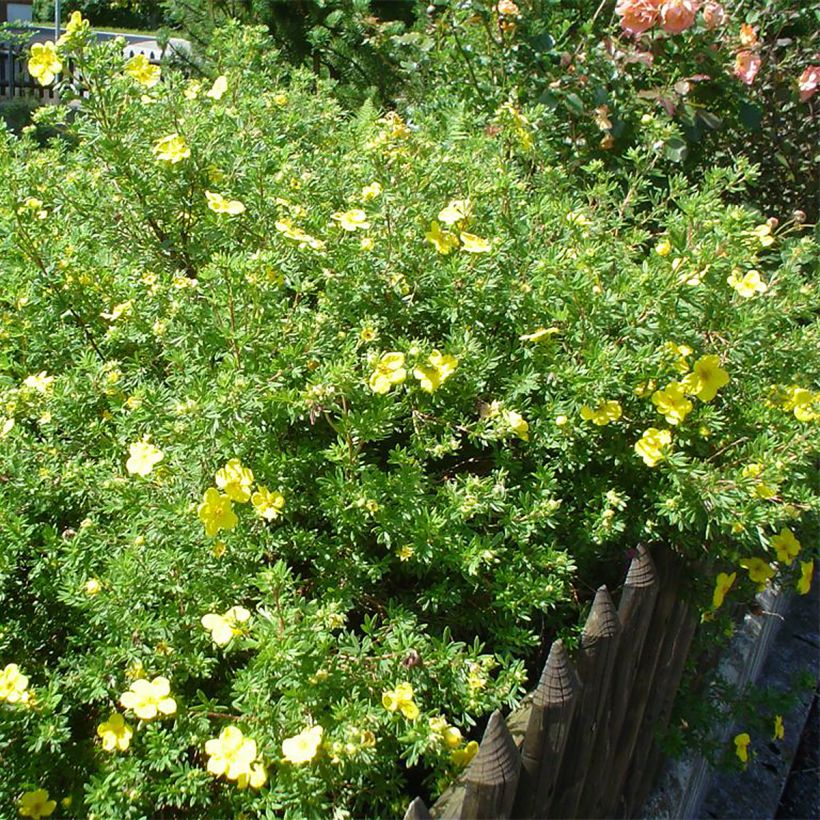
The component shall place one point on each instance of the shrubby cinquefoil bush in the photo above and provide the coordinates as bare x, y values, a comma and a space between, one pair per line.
315, 424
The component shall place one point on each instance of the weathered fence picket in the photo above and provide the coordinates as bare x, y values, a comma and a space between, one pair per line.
583, 743
548, 729
595, 662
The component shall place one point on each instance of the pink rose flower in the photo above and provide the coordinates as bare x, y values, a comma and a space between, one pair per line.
678, 15
808, 82
747, 64
714, 15
637, 15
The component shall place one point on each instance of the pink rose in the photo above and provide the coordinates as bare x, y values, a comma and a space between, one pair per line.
714, 15
808, 82
678, 15
637, 15
747, 64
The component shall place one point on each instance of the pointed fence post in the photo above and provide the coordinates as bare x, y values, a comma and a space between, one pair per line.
635, 611
492, 777
553, 705
417, 811
595, 662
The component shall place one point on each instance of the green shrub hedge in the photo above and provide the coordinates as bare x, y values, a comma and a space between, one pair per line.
315, 424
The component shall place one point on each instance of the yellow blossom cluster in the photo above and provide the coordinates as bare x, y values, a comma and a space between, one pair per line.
234, 483
455, 215
142, 457
235, 756
224, 628
401, 700
13, 685
390, 370
148, 699
302, 748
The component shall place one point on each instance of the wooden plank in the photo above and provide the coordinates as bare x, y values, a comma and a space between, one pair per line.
595, 662
644, 685
643, 745
635, 611
550, 719
666, 701
492, 777
417, 811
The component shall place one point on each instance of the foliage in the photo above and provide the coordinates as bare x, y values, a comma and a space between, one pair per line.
376, 384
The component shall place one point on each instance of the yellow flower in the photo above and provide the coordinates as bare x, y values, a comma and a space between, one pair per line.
401, 699
372, 191
280, 99
235, 480
474, 244
147, 700
457, 210
172, 149
218, 204
752, 470
302, 748
268, 505
233, 755
742, 742
13, 684
779, 728
41, 382
723, 584
139, 69
219, 88
216, 512
539, 334
561, 420
192, 90
604, 413
518, 425
36, 804
353, 220
800, 401
43, 63
291, 231
438, 369
256, 777
806, 572
765, 491
763, 233
759, 571
92, 587
389, 370
679, 354
443, 241
143, 457
663, 248
118, 311
224, 628
115, 733
366, 243
653, 445
405, 553
711, 377
671, 402
461, 757
786, 546
76, 23
748, 284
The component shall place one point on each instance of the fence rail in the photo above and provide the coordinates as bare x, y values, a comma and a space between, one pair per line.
583, 743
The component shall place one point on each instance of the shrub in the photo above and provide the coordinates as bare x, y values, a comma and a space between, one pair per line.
309, 418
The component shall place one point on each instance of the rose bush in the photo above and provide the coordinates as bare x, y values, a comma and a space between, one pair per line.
314, 425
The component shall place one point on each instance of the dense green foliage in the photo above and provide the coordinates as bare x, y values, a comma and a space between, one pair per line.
468, 380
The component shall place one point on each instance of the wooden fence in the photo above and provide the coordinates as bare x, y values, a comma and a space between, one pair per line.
583, 743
